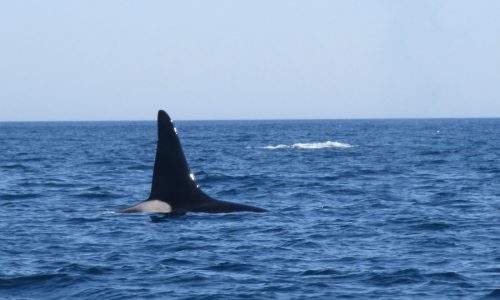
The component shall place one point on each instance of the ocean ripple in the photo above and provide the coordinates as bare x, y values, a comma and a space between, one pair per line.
408, 214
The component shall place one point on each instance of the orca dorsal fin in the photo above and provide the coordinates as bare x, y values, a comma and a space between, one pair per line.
171, 175
173, 189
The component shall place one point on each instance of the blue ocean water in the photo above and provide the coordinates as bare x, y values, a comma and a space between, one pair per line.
358, 209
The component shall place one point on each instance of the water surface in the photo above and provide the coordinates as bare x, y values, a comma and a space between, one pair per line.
379, 209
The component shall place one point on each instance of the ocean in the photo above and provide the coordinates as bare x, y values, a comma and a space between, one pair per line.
358, 209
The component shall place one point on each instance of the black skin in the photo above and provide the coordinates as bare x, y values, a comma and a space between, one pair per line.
172, 182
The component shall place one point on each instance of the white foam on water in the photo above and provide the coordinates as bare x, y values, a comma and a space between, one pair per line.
277, 147
327, 144
106, 212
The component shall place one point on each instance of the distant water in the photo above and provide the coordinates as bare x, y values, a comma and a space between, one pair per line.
358, 209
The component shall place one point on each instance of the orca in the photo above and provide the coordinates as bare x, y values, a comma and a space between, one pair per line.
173, 188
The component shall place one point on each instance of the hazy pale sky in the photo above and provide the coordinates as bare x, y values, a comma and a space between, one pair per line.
124, 60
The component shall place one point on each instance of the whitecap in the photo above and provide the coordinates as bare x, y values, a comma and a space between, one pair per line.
277, 147
106, 213
327, 144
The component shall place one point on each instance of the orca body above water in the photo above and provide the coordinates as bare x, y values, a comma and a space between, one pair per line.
173, 189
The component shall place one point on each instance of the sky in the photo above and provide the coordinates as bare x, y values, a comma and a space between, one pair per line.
278, 59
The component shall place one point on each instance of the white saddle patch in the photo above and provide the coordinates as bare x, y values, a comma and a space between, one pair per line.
150, 206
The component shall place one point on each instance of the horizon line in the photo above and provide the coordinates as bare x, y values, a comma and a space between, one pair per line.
250, 119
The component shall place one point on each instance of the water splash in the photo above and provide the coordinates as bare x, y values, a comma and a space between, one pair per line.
327, 144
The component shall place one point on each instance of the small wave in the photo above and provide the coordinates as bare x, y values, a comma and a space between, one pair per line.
14, 166
175, 261
27, 280
83, 269
230, 267
495, 294
82, 220
106, 213
327, 144
320, 272
447, 276
432, 226
19, 196
96, 195
408, 276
